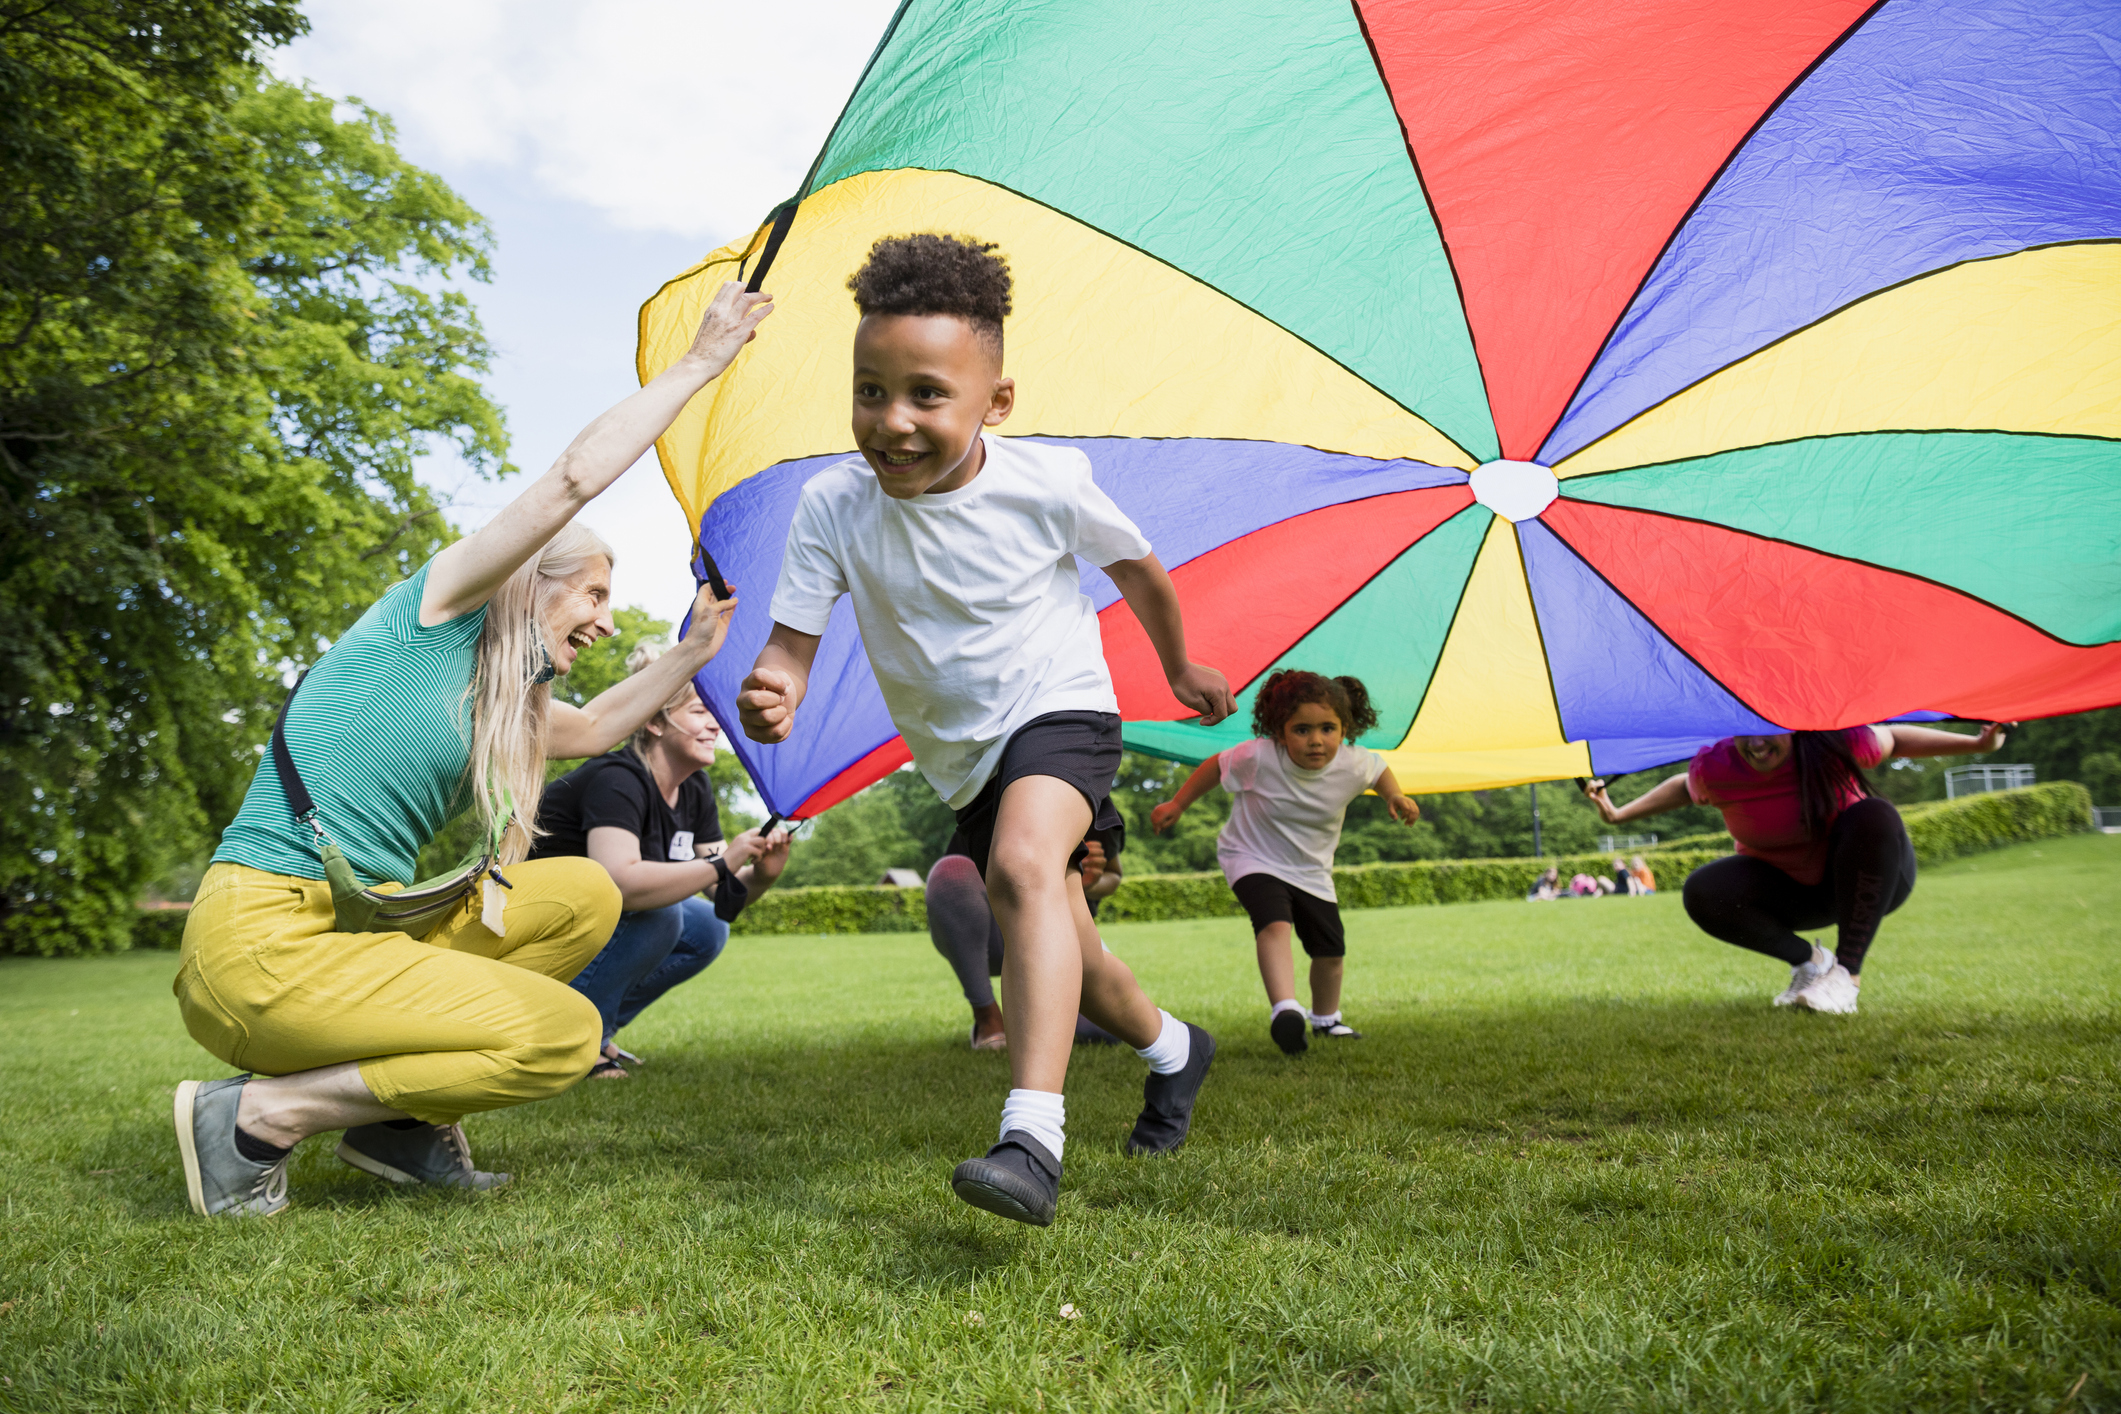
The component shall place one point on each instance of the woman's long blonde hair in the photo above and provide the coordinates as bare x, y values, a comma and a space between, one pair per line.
638, 659
510, 709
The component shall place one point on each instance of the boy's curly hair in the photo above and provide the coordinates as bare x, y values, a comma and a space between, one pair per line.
932, 274
1291, 688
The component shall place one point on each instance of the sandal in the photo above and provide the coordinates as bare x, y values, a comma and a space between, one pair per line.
620, 1053
999, 1041
608, 1069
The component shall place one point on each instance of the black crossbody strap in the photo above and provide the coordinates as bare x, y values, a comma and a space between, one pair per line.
298, 798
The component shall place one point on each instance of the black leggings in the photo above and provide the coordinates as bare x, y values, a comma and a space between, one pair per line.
1870, 871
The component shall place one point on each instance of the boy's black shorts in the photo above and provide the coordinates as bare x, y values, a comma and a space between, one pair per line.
1317, 920
1081, 748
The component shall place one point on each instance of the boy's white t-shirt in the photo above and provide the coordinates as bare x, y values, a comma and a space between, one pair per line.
969, 602
1284, 820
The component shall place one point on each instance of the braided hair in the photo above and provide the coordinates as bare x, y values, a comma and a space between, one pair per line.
1291, 688
1827, 770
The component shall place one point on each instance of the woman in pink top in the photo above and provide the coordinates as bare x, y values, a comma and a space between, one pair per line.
1814, 845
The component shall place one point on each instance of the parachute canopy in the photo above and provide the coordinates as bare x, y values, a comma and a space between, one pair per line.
1591, 377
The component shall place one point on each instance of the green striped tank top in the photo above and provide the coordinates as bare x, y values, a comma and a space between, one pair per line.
381, 732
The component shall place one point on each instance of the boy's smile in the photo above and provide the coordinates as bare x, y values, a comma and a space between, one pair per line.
924, 386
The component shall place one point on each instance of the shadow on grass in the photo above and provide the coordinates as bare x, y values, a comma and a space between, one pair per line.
837, 1133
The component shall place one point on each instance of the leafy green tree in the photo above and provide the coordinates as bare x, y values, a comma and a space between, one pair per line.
2100, 772
221, 352
1144, 782
2063, 748
898, 823
603, 664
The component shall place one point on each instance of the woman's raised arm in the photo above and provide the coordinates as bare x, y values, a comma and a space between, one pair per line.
464, 576
1906, 740
1668, 794
617, 712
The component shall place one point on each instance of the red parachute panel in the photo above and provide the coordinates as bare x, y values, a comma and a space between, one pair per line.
1815, 642
1248, 601
1561, 143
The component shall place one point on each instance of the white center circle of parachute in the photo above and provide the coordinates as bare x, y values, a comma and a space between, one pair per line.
1514, 490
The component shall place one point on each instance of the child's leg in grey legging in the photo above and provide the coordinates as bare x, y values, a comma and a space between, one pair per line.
962, 926
1871, 864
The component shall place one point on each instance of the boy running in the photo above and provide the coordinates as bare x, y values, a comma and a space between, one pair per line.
958, 549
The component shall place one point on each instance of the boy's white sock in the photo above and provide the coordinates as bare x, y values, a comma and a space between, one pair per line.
1039, 1113
1317, 1020
1172, 1048
1290, 1004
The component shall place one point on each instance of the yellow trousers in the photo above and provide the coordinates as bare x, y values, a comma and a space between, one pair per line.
458, 1023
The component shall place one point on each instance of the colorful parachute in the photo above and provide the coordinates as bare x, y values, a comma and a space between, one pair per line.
1593, 377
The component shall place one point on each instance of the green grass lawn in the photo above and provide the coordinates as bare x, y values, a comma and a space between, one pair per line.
1577, 1163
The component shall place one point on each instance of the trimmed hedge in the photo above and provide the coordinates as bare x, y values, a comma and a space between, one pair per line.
161, 928
1940, 830
1945, 830
836, 908
1157, 897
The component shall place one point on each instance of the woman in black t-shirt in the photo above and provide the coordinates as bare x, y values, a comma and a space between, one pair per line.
646, 813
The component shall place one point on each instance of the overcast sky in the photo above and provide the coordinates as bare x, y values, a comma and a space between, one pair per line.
611, 143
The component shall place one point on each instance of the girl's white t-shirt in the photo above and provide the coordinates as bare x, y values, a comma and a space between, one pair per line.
969, 602
1284, 820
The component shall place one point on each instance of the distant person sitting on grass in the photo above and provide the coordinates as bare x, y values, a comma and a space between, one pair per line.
440, 691
1290, 789
646, 812
1639, 871
1815, 847
962, 927
959, 550
1547, 887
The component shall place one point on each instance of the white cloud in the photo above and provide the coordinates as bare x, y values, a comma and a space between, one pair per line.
692, 119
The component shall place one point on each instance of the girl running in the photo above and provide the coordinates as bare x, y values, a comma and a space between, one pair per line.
1291, 786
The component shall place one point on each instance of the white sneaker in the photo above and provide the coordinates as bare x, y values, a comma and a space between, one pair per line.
1806, 973
1834, 993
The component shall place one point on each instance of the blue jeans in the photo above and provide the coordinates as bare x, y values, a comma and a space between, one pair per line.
649, 953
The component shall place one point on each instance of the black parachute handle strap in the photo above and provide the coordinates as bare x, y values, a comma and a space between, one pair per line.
783, 218
712, 573
298, 797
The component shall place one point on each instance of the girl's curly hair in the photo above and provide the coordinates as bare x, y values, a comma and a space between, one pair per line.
1291, 688
934, 274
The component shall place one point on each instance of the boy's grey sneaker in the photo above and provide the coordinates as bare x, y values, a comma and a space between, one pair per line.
1018, 1179
1167, 1100
1287, 1029
217, 1178
434, 1154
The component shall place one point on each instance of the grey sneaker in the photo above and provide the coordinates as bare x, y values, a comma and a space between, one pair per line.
433, 1154
1019, 1179
1804, 974
217, 1178
1167, 1100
